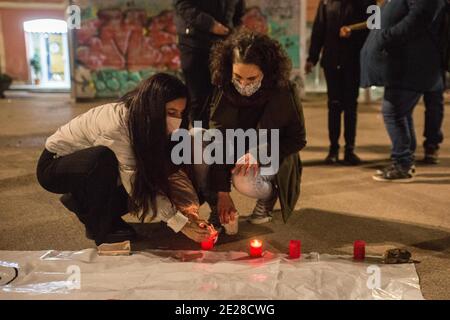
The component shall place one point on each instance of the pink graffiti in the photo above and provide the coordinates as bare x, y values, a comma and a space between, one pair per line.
128, 40
255, 20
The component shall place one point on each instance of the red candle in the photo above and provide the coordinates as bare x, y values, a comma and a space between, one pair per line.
359, 250
295, 250
256, 248
208, 245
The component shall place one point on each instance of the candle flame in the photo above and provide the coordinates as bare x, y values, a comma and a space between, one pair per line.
256, 243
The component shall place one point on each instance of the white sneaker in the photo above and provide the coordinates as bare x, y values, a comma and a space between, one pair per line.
259, 219
263, 210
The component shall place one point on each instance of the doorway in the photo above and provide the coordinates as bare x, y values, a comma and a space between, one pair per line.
48, 53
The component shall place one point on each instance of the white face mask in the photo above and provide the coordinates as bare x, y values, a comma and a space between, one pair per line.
249, 89
172, 124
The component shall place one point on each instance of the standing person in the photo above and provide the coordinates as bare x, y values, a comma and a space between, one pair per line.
199, 24
411, 64
340, 61
117, 155
251, 73
434, 100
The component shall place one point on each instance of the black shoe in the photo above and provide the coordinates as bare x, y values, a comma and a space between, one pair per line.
120, 235
394, 173
431, 156
412, 170
121, 231
351, 159
332, 158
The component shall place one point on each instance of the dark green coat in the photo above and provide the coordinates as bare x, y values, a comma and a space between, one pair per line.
283, 111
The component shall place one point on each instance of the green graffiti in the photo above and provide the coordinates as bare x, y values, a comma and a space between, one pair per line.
115, 83
290, 41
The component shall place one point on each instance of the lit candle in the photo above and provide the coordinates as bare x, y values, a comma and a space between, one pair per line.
359, 250
208, 245
256, 248
295, 249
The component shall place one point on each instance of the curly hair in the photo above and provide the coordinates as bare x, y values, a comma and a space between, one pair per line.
245, 46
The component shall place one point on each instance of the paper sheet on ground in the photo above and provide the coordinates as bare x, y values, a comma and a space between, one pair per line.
199, 275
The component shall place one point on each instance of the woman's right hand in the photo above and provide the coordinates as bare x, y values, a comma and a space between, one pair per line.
345, 32
219, 29
199, 230
225, 207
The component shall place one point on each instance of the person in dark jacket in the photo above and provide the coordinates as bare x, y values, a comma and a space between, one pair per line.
199, 24
340, 61
251, 73
405, 57
434, 102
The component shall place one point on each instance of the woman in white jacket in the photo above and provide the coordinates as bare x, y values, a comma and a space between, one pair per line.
115, 159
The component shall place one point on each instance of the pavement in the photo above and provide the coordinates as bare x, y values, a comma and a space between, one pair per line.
338, 205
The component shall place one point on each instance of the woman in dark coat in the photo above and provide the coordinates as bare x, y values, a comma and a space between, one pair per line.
251, 72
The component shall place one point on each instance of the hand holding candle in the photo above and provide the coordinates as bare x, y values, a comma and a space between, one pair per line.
209, 244
255, 248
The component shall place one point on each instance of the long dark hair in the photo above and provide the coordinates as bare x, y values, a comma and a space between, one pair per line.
149, 141
250, 47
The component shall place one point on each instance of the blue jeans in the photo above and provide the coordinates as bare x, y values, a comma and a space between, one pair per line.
398, 107
434, 115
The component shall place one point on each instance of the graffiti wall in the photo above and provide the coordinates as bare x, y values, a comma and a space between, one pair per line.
122, 42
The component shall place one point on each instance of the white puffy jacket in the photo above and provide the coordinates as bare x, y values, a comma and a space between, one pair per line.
107, 125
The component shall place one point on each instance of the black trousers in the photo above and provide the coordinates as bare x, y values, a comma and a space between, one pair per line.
434, 116
91, 176
343, 92
195, 66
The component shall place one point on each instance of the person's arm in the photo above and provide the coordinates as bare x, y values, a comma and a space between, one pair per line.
239, 13
183, 193
167, 212
185, 198
419, 17
295, 138
318, 34
193, 16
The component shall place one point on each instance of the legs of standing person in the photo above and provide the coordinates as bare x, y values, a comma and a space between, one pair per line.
195, 65
398, 106
334, 90
90, 176
350, 105
434, 115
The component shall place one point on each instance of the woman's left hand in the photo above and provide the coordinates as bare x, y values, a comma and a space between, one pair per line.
246, 165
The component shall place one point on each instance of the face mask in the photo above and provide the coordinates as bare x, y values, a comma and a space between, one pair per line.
249, 89
172, 124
